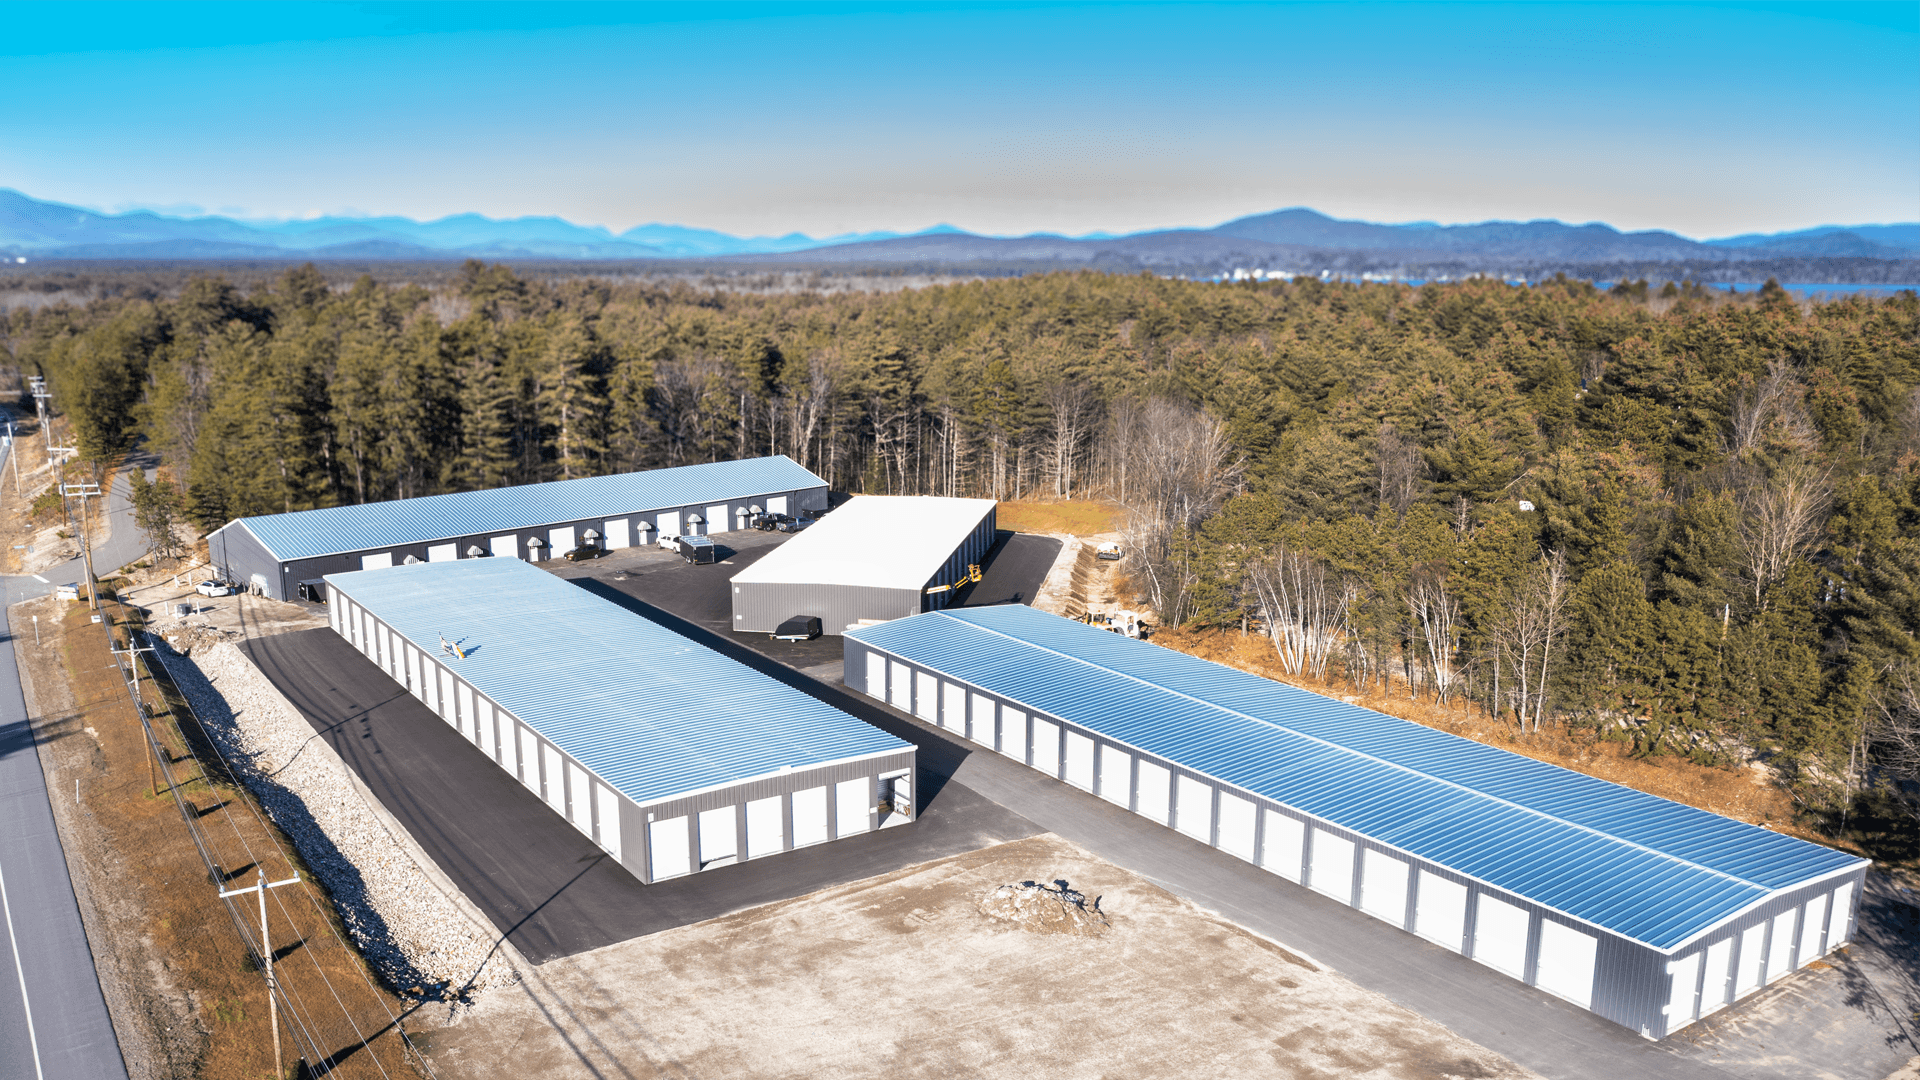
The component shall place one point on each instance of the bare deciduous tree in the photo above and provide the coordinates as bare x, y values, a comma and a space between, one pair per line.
1074, 409
1534, 618
1397, 467
1781, 515
1436, 615
1179, 467
1772, 409
1306, 608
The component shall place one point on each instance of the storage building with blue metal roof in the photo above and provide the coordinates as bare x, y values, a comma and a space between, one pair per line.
667, 754
1648, 912
276, 555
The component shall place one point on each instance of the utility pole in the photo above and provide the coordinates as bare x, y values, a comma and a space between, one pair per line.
261, 885
132, 653
40, 398
83, 492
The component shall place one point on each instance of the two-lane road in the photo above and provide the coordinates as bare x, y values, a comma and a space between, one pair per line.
53, 1018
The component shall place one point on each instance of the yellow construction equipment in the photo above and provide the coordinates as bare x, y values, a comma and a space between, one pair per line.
972, 575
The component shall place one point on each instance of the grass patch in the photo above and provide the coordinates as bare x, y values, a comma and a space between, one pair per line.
1080, 517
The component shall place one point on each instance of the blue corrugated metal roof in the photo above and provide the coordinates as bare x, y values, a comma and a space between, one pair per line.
1644, 867
650, 712
305, 534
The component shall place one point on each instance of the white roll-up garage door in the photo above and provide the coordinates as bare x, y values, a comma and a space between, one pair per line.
443, 552
1752, 961
1683, 990
607, 809
560, 541
1813, 929
1236, 826
1716, 987
1116, 775
579, 808
900, 686
619, 534
926, 698
719, 837
1285, 845
553, 786
776, 504
1332, 871
1079, 761
1383, 887
953, 707
850, 807
981, 719
766, 832
1046, 746
670, 523
1013, 734
810, 816
1156, 794
1840, 917
1440, 910
1193, 808
719, 518
1780, 945
667, 843
1565, 967
505, 547
376, 562
1500, 936
530, 760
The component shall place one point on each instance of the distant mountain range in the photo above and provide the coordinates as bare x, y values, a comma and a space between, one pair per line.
1292, 240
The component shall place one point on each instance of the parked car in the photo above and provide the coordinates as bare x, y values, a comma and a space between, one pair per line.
1107, 550
584, 552
669, 543
696, 549
216, 587
793, 525
769, 522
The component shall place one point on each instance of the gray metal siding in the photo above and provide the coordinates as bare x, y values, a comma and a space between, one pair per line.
240, 555
1630, 985
298, 570
633, 817
760, 607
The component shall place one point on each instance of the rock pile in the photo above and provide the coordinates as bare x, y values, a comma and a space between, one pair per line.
1046, 909
413, 934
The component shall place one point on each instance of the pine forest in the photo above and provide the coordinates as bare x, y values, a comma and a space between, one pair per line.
1670, 517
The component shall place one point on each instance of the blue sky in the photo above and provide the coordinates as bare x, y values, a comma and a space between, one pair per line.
1707, 119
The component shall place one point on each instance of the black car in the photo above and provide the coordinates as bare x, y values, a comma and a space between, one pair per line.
769, 522
582, 554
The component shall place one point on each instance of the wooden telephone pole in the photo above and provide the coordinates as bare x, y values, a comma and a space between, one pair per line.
261, 885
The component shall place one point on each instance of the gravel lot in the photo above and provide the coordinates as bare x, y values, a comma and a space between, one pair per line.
418, 939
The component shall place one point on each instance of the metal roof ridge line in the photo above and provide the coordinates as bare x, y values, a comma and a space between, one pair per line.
1382, 761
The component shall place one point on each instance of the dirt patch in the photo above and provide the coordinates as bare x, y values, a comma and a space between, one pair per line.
1744, 794
1079, 517
181, 979
899, 976
1046, 909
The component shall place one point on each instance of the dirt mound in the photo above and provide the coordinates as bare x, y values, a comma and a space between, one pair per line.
1046, 909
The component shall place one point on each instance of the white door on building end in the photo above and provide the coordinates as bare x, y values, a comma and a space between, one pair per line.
719, 837
1716, 987
505, 547
1565, 967
1813, 929
1332, 871
607, 806
560, 541
667, 844
376, 562
851, 806
619, 534
443, 552
1499, 935
766, 831
1683, 991
1440, 911
1840, 917
810, 816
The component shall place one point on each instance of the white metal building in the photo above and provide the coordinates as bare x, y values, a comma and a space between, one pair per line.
670, 756
1647, 912
873, 558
